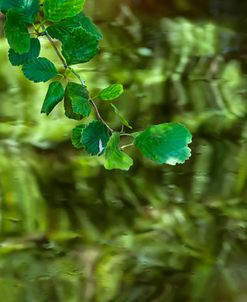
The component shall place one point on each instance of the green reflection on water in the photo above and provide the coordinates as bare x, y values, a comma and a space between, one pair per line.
71, 231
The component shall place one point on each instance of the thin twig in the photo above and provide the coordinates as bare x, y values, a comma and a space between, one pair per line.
55, 47
77, 75
60, 56
100, 117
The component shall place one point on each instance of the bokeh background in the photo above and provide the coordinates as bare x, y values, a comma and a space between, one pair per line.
70, 231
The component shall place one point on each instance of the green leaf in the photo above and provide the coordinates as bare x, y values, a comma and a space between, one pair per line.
165, 143
54, 95
17, 59
16, 32
87, 24
121, 117
79, 47
79, 37
111, 93
76, 101
95, 137
28, 8
61, 9
115, 158
76, 136
62, 29
39, 70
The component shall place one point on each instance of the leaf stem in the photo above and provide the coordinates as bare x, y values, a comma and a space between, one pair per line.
126, 134
126, 146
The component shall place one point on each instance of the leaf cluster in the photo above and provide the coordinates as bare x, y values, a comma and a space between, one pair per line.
79, 38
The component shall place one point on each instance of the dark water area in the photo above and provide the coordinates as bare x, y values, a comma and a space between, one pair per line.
72, 231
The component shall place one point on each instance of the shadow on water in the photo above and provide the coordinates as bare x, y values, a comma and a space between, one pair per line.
72, 231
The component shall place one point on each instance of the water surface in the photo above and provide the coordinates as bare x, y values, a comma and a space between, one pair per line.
72, 231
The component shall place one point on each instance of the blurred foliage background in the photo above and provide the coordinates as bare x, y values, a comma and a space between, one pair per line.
72, 231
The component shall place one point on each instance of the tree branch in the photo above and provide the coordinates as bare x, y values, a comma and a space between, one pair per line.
66, 66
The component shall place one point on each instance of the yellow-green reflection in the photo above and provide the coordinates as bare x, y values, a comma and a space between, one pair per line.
72, 231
